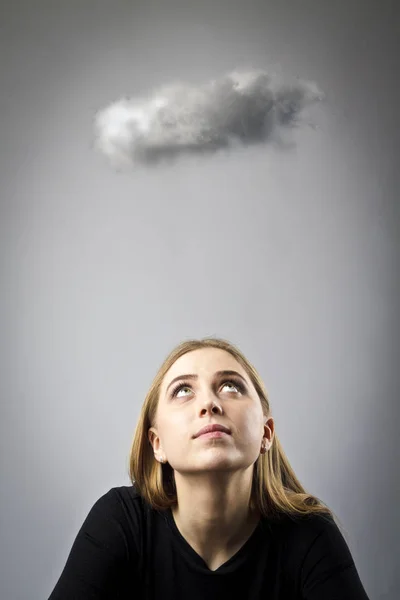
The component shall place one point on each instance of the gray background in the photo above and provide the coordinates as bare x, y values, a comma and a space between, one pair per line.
293, 255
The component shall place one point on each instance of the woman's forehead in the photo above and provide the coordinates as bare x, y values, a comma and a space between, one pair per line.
204, 361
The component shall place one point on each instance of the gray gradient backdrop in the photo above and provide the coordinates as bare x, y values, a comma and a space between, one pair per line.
293, 255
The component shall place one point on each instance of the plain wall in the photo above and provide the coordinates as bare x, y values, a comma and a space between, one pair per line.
293, 255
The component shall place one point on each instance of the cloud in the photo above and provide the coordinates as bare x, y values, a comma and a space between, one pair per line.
241, 108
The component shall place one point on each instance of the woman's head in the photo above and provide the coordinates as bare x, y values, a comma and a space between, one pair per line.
208, 386
205, 382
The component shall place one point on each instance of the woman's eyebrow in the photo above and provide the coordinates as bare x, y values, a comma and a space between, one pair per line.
217, 374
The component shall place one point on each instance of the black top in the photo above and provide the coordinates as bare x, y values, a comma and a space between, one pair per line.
125, 550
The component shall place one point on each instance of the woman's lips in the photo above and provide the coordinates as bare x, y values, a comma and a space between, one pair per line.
213, 434
213, 428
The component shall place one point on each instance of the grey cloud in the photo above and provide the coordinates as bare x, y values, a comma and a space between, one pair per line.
241, 108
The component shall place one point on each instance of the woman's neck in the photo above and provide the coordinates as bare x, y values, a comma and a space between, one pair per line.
213, 513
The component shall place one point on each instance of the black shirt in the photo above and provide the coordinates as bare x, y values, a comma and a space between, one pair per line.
125, 550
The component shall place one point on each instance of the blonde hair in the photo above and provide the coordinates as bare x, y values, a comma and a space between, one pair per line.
276, 489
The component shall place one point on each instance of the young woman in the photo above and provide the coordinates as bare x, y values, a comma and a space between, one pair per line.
214, 510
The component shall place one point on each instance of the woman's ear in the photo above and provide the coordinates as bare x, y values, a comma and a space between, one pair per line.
156, 445
154, 439
269, 428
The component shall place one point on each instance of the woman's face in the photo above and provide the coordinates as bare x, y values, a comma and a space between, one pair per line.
209, 387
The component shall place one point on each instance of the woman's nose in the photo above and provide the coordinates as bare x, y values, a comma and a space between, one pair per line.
211, 406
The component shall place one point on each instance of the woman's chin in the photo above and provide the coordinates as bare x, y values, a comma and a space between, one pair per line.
216, 459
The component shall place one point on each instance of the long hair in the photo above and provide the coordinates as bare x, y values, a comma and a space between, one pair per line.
275, 488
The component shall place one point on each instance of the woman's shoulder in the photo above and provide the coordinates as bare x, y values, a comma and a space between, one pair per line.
125, 493
121, 505
301, 530
314, 535
123, 499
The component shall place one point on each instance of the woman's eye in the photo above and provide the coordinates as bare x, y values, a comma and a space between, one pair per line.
230, 384
180, 389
